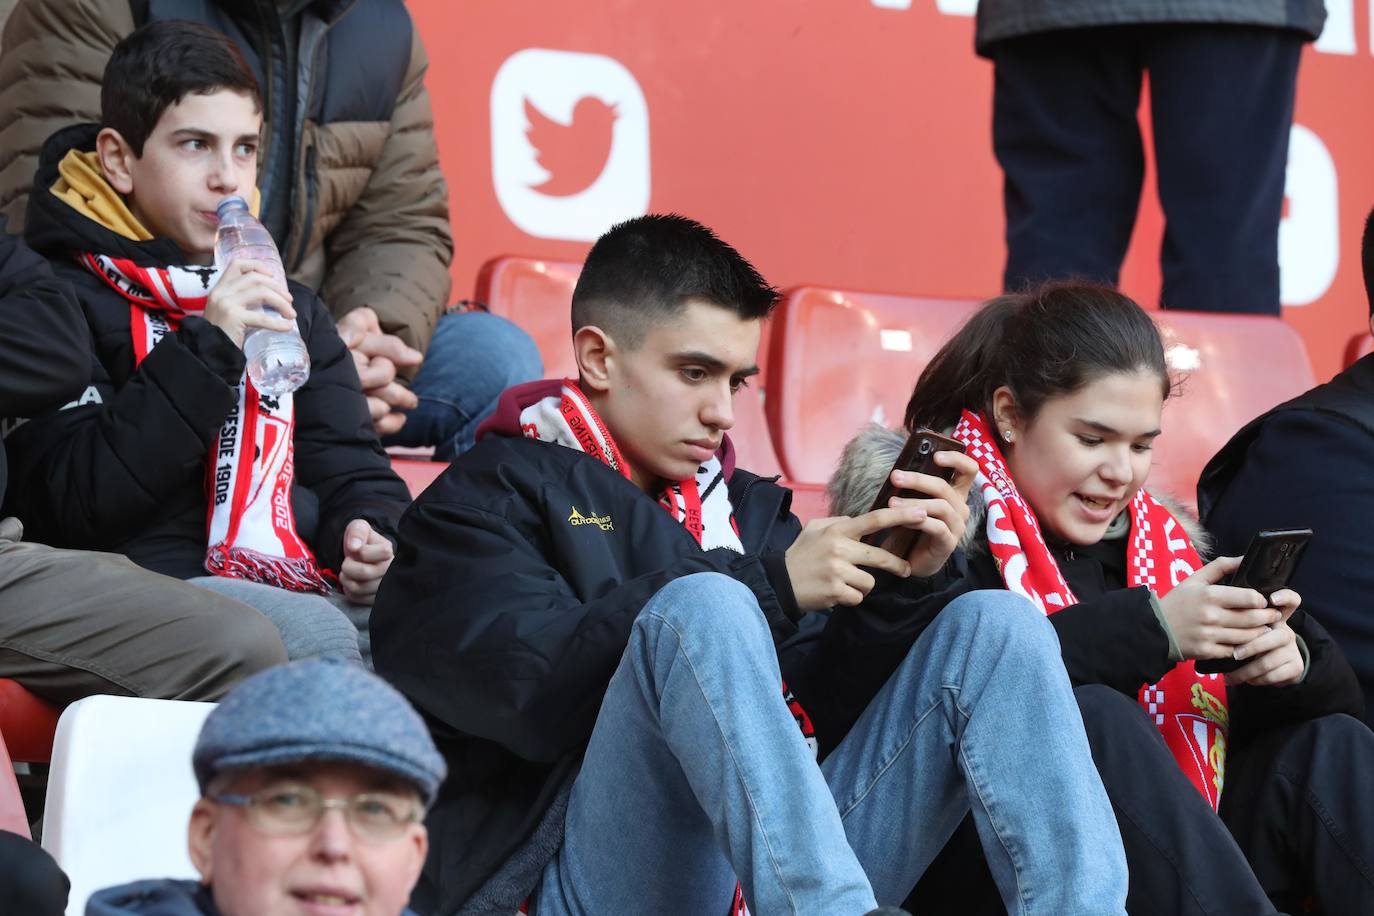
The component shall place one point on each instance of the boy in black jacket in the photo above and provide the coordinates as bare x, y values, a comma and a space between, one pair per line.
591, 607
171, 457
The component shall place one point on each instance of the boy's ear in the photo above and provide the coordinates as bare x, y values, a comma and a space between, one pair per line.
596, 353
115, 156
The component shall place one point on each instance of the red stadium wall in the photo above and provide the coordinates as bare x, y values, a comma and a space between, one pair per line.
843, 142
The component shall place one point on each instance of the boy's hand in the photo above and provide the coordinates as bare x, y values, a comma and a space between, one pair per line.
367, 555
824, 561
376, 356
235, 304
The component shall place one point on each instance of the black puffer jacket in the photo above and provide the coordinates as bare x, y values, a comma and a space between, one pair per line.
503, 622
125, 469
44, 345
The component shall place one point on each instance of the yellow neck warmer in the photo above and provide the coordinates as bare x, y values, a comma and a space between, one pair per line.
83, 187
86, 191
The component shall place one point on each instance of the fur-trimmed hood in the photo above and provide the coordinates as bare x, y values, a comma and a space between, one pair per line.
868, 459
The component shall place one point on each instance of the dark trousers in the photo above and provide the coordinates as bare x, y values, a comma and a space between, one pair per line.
30, 881
1297, 823
1066, 133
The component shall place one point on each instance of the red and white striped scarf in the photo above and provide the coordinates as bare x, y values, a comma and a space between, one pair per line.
701, 505
1188, 708
251, 530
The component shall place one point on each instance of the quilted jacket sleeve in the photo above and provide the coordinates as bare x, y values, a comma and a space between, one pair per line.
51, 60
393, 248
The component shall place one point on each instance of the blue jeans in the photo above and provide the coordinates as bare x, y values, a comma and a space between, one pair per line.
696, 772
472, 358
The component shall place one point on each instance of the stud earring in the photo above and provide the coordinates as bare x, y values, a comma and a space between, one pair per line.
1006, 434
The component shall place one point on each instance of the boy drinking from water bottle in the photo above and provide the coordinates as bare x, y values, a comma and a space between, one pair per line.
170, 456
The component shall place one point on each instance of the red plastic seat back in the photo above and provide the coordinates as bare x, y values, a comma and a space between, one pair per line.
1360, 346
536, 294
417, 474
1233, 368
840, 359
12, 815
27, 723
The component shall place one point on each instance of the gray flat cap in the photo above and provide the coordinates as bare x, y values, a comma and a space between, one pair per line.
318, 709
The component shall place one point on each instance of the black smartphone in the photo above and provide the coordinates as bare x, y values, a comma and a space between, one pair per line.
1267, 566
917, 455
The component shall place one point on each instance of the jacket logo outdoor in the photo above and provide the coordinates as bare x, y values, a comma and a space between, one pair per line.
601, 521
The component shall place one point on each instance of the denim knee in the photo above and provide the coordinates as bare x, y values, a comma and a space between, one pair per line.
999, 617
512, 355
711, 606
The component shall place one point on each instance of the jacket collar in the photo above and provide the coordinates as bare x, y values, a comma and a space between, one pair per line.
505, 420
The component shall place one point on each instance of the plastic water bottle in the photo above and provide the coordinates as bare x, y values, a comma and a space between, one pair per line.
278, 362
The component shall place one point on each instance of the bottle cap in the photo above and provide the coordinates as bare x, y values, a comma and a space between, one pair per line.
230, 203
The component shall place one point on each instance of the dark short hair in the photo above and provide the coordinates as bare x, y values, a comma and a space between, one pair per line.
158, 65
1041, 344
645, 270
1367, 260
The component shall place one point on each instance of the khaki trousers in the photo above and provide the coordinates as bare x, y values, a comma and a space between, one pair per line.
75, 623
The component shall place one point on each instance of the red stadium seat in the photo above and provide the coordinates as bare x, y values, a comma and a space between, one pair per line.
809, 500
27, 723
12, 815
537, 295
1232, 369
417, 474
840, 359
1360, 345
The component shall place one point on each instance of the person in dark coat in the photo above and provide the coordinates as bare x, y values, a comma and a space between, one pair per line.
287, 504
605, 622
1222, 76
1306, 463
1058, 393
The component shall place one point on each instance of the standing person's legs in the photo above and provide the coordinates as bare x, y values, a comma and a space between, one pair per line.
75, 623
1221, 99
1183, 861
980, 714
696, 771
1300, 803
311, 626
472, 358
1066, 133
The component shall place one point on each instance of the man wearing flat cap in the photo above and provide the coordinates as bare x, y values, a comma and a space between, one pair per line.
314, 780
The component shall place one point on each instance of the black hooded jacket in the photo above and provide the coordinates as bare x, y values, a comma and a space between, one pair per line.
44, 344
124, 468
504, 617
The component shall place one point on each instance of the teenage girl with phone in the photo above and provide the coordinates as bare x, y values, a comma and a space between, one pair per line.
1058, 394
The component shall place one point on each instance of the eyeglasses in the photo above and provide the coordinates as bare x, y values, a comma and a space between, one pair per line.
286, 810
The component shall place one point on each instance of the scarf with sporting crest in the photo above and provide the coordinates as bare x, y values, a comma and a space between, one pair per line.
251, 528
700, 504
1188, 708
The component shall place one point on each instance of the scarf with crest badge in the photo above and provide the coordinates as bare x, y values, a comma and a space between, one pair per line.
1188, 708
250, 466
701, 504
